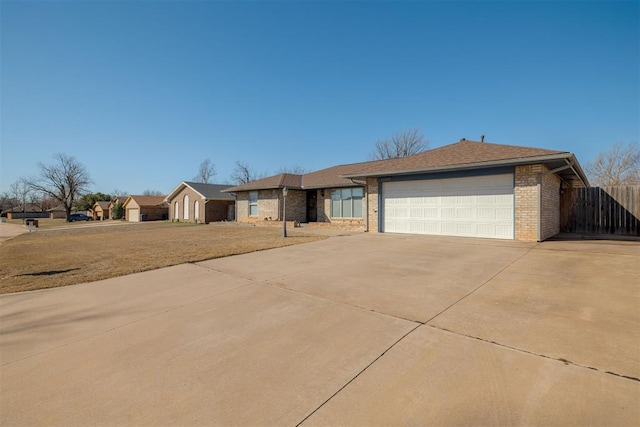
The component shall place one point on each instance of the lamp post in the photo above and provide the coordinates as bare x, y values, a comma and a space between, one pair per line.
284, 212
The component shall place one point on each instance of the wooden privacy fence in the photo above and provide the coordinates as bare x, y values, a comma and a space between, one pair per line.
601, 210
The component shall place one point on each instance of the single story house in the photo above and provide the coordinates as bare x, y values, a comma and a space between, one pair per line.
58, 212
100, 210
145, 208
199, 202
469, 188
30, 210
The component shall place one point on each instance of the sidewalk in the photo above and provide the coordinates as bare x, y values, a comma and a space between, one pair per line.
9, 231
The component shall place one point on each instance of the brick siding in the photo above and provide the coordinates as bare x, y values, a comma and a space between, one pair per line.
270, 206
550, 210
214, 210
526, 203
372, 204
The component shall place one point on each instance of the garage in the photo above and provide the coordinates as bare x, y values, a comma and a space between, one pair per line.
478, 206
133, 215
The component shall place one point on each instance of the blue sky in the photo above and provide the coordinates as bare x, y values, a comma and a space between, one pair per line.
142, 91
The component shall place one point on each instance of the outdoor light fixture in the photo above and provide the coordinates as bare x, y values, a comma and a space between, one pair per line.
285, 190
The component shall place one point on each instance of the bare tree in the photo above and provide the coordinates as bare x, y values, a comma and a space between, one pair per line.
295, 169
618, 166
243, 174
401, 144
65, 180
7, 201
206, 172
148, 192
22, 193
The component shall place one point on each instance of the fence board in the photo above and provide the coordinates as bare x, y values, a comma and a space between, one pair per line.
607, 210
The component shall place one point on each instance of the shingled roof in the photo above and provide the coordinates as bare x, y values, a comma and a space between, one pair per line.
461, 155
207, 191
454, 156
146, 200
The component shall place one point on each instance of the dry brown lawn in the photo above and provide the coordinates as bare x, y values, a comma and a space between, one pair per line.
61, 257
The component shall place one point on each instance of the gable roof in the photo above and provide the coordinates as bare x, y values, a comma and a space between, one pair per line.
146, 200
462, 155
102, 204
206, 191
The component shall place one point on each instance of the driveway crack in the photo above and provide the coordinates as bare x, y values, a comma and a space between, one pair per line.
559, 359
363, 370
474, 290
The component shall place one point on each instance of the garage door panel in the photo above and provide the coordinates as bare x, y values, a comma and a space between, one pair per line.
478, 206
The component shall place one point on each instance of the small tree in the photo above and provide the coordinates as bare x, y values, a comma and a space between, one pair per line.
64, 180
401, 144
118, 211
206, 172
148, 192
618, 166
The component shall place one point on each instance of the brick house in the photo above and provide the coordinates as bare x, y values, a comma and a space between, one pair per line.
145, 208
199, 202
469, 188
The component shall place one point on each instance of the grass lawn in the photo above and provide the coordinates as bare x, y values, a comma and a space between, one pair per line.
59, 257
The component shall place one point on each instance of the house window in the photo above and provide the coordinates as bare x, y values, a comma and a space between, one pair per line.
253, 203
186, 206
176, 211
196, 210
346, 203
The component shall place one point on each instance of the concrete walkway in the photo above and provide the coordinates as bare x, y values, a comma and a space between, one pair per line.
9, 231
370, 329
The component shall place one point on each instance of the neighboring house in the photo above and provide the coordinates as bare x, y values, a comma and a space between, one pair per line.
198, 202
469, 188
58, 212
101, 210
30, 211
145, 208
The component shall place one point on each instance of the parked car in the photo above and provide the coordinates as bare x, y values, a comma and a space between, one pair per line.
79, 217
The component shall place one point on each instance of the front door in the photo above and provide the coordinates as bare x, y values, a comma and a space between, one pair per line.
312, 206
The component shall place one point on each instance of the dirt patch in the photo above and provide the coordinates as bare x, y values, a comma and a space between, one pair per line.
76, 255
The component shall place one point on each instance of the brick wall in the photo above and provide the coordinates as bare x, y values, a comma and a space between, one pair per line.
550, 210
526, 203
179, 198
270, 206
217, 210
154, 213
372, 202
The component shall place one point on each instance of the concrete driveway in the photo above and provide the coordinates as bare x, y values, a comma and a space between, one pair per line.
370, 329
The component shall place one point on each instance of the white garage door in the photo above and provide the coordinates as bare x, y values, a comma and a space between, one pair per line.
134, 215
475, 207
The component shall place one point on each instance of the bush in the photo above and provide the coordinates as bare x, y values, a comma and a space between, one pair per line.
118, 211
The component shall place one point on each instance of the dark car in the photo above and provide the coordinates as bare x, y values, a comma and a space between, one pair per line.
78, 217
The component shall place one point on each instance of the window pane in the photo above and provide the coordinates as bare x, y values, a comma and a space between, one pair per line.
253, 197
357, 202
346, 203
335, 204
357, 208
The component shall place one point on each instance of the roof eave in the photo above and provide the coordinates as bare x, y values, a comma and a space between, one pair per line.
477, 165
